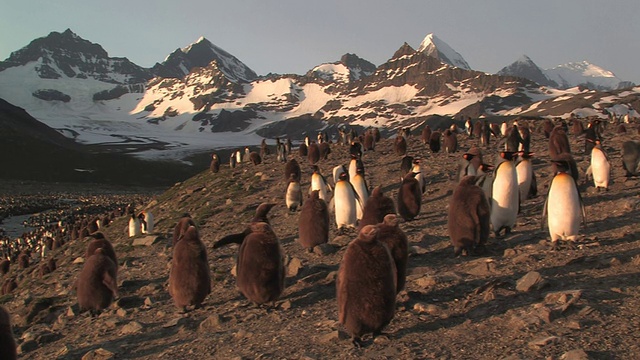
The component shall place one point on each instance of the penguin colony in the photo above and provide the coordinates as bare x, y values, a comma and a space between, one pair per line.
373, 269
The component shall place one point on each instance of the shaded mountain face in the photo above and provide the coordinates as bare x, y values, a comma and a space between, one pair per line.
200, 54
33, 151
526, 68
68, 55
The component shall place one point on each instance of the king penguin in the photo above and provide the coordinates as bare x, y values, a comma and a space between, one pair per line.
318, 182
134, 226
526, 178
344, 199
600, 169
505, 196
362, 191
565, 209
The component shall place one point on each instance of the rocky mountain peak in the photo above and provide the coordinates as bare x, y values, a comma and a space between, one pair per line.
434, 47
200, 54
67, 54
524, 67
404, 50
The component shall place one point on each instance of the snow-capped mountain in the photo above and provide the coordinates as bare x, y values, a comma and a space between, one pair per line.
585, 74
566, 76
349, 68
208, 101
200, 54
433, 46
526, 68
66, 55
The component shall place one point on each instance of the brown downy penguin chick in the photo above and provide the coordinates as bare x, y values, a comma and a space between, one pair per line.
621, 129
558, 142
324, 149
450, 142
369, 142
577, 128
8, 286
189, 279
565, 159
97, 283
100, 242
261, 213
292, 168
631, 157
4, 266
314, 153
409, 197
376, 135
313, 225
434, 141
260, 265
52, 264
406, 164
469, 217
377, 206
303, 150
425, 136
390, 234
366, 286
547, 127
181, 227
255, 158
8, 348
23, 260
400, 145
485, 136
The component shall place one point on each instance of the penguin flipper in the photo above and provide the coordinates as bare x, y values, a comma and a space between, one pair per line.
230, 239
544, 210
584, 213
110, 283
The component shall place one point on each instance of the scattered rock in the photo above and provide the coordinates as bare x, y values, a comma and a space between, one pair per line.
544, 341
417, 250
212, 322
27, 346
286, 305
522, 258
341, 240
531, 281
98, 354
330, 337
577, 354
175, 322
509, 253
146, 240
426, 281
133, 327
324, 249
129, 302
79, 260
229, 202
430, 309
294, 267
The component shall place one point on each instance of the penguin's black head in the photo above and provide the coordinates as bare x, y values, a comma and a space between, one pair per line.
343, 176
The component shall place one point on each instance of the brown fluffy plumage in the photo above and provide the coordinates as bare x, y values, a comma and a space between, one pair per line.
313, 224
390, 234
313, 154
558, 142
400, 145
7, 342
189, 279
100, 242
426, 134
181, 227
97, 284
469, 217
409, 197
260, 265
366, 285
378, 205
292, 167
434, 141
450, 142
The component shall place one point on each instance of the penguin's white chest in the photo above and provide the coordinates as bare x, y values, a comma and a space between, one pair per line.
600, 168
524, 172
504, 198
563, 208
134, 227
345, 203
318, 184
292, 198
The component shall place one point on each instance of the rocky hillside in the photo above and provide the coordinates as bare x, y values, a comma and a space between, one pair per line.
517, 301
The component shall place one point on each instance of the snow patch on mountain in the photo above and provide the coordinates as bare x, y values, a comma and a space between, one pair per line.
433, 46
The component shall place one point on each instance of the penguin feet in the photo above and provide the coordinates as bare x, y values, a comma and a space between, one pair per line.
357, 342
571, 245
555, 246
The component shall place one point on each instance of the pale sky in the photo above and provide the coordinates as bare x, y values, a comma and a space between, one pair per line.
293, 36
